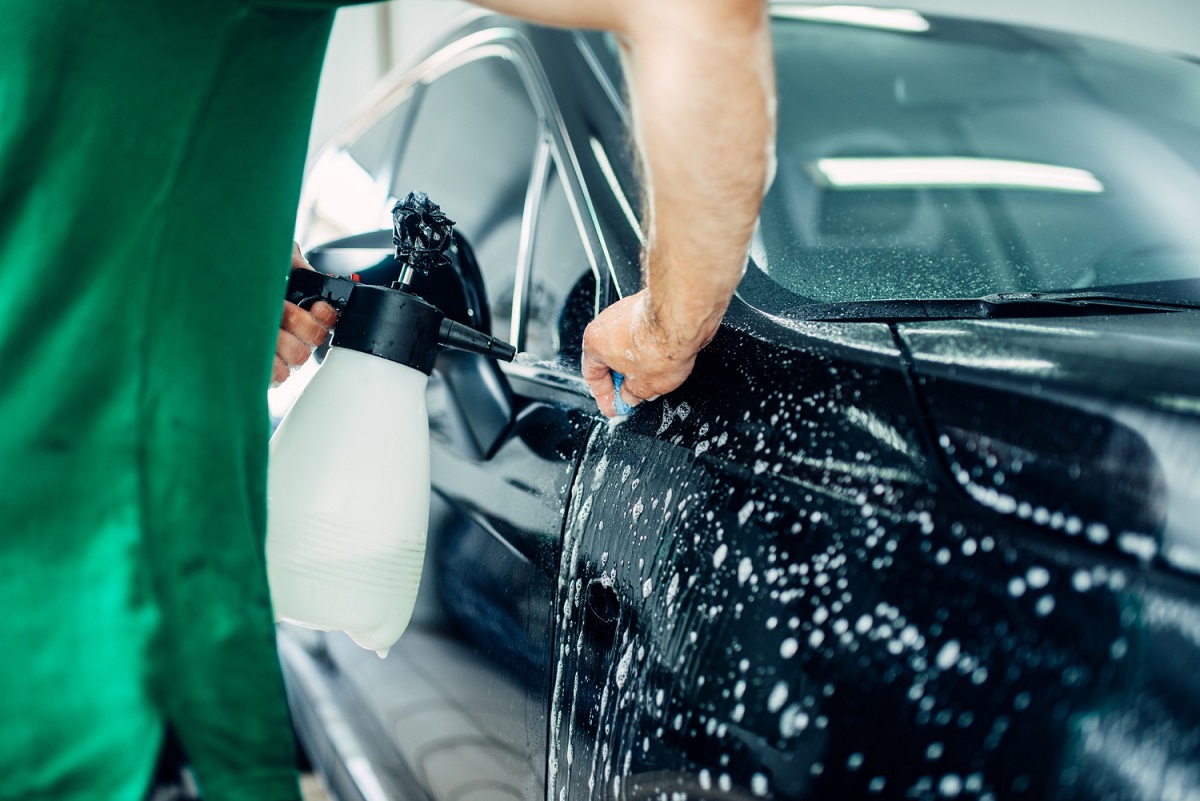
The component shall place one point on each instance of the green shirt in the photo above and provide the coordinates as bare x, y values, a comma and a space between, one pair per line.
150, 162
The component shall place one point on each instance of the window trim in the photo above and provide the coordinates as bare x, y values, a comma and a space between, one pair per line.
509, 44
538, 178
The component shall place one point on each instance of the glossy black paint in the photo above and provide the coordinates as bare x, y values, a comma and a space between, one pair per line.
815, 610
886, 558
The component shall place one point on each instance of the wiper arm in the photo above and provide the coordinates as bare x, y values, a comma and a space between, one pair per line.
1109, 297
992, 307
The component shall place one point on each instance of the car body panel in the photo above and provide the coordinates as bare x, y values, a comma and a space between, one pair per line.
1107, 403
798, 604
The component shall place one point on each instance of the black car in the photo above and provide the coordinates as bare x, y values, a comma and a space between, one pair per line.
924, 522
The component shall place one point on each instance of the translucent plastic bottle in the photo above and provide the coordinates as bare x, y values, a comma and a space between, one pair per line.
348, 499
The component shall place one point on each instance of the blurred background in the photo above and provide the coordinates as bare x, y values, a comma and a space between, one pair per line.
370, 41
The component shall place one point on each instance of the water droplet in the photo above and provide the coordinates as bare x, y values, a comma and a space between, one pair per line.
950, 785
1139, 545
527, 359
1044, 605
623, 666
672, 589
1081, 580
745, 568
1037, 577
778, 697
793, 721
947, 657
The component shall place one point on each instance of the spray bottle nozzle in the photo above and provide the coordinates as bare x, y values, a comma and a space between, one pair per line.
460, 337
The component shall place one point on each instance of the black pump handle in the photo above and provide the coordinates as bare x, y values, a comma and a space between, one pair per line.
305, 287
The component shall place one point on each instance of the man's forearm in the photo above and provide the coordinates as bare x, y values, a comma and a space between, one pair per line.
702, 86
612, 15
701, 82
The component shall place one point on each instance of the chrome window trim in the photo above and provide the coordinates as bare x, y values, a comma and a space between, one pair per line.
510, 45
538, 177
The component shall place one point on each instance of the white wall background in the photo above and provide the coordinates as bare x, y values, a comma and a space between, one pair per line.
368, 41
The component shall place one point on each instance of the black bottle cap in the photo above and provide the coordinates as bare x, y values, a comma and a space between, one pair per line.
392, 324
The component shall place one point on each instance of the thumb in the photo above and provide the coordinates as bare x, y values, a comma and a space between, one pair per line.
298, 260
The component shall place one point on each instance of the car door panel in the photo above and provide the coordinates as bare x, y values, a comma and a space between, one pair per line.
794, 594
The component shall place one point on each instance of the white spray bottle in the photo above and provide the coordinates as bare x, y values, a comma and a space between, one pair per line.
348, 487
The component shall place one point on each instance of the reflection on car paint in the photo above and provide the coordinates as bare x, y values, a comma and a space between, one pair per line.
824, 631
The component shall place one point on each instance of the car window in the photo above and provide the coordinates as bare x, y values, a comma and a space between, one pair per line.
346, 193
471, 148
375, 150
562, 288
964, 160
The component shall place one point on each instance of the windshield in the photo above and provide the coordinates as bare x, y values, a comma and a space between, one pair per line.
935, 158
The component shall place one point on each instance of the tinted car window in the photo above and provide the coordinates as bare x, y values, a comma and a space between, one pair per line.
347, 191
471, 148
375, 150
966, 160
562, 287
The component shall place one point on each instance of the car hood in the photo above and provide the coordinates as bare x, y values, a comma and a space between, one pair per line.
1087, 425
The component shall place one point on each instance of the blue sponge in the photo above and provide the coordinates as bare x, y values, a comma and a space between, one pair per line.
621, 407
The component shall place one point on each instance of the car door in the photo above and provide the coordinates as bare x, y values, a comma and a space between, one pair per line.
773, 589
459, 708
718, 538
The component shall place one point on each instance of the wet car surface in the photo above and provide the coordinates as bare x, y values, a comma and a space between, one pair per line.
925, 521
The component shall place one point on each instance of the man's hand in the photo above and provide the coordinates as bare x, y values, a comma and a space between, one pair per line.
301, 332
631, 339
702, 92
